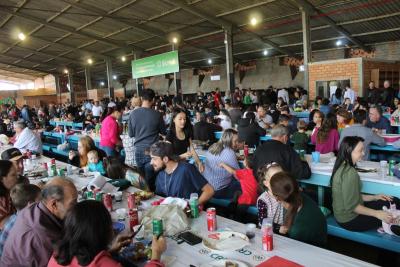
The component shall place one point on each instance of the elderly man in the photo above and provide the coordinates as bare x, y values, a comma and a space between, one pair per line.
38, 227
359, 129
377, 122
26, 139
277, 150
177, 178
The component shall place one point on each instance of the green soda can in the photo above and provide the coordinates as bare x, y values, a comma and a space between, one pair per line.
194, 207
62, 172
89, 194
158, 229
99, 196
391, 167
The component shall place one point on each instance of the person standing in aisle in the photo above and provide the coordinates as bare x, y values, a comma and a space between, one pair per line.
146, 124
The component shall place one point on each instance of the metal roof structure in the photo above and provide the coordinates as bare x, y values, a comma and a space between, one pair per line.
65, 33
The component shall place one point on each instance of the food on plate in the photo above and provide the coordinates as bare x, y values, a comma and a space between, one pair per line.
142, 195
137, 251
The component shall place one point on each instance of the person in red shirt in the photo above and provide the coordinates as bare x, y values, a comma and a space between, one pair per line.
217, 98
248, 183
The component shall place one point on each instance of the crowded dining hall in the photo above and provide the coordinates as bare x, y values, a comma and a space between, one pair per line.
200, 133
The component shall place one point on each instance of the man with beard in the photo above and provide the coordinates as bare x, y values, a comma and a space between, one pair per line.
177, 178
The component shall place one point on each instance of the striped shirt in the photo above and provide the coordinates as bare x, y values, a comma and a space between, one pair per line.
269, 207
217, 176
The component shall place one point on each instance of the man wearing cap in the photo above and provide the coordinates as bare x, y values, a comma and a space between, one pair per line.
26, 139
14, 155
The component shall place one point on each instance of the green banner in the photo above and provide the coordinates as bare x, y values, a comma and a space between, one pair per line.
8, 100
155, 65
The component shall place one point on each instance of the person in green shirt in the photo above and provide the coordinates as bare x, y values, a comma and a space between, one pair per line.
303, 220
247, 98
352, 210
300, 139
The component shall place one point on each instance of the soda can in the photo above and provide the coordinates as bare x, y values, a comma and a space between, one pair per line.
391, 167
133, 218
194, 207
45, 166
53, 161
89, 194
158, 227
62, 172
131, 201
69, 169
211, 219
267, 235
107, 201
246, 150
99, 196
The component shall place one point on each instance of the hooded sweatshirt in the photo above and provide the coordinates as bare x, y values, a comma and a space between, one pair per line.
250, 132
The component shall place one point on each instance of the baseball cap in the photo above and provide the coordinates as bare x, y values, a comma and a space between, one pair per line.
11, 154
111, 105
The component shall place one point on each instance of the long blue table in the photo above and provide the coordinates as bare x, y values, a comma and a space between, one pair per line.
74, 125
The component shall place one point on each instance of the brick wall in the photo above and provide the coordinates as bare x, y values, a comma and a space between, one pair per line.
340, 69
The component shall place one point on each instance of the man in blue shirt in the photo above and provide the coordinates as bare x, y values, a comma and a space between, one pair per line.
177, 178
377, 122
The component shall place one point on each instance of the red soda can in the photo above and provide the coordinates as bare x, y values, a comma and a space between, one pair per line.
246, 150
131, 201
267, 237
45, 166
211, 219
133, 218
53, 161
107, 201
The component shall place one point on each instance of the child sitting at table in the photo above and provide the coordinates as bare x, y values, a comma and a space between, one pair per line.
95, 165
267, 205
300, 138
303, 219
248, 185
21, 196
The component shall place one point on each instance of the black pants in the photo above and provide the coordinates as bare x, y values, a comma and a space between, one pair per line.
363, 222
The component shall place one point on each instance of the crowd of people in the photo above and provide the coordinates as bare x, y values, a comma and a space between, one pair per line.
161, 136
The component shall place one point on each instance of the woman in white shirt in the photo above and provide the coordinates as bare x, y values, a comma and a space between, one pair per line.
225, 122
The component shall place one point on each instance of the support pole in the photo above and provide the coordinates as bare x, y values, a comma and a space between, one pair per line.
88, 81
305, 20
109, 78
71, 86
135, 56
58, 89
230, 73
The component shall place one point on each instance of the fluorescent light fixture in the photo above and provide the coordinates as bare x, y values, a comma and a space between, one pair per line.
114, 77
301, 68
123, 58
265, 52
66, 71
339, 42
209, 61
90, 61
175, 40
253, 21
102, 83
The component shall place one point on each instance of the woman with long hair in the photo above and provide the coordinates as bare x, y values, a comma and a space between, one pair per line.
80, 159
180, 134
8, 178
86, 238
326, 138
109, 132
303, 220
352, 210
337, 98
223, 151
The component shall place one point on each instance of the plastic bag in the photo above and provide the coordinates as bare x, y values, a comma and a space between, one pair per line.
174, 220
396, 219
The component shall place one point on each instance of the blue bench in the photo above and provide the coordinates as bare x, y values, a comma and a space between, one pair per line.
222, 202
371, 237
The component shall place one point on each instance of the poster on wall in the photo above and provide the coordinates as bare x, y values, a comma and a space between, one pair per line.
155, 65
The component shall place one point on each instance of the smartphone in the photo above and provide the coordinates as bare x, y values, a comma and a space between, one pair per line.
190, 238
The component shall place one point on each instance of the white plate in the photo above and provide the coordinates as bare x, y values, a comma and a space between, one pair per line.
221, 263
225, 241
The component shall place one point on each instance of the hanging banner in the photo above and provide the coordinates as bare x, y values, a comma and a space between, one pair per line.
155, 65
